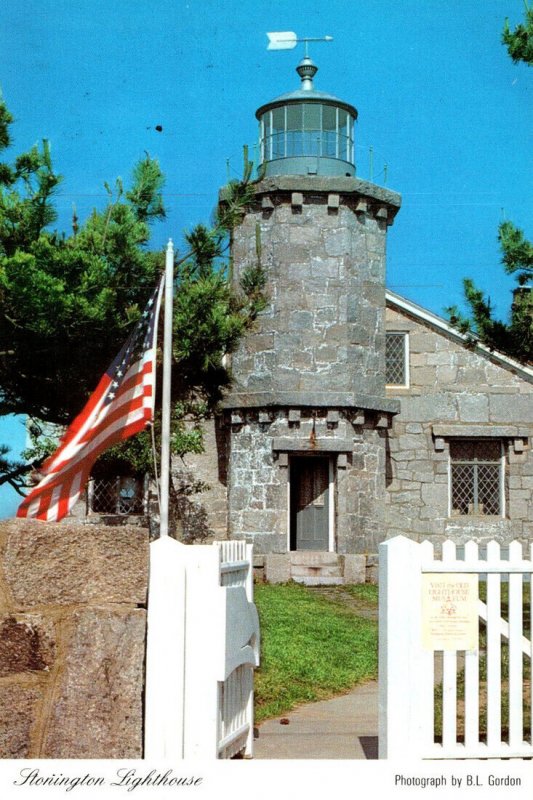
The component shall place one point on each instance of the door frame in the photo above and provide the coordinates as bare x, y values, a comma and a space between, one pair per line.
331, 499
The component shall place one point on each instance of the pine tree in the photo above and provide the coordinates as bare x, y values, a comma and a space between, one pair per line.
68, 302
514, 337
519, 42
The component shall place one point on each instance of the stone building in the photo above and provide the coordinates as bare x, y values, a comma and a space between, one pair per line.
354, 414
459, 463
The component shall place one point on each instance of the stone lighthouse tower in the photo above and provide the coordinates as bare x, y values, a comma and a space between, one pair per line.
307, 416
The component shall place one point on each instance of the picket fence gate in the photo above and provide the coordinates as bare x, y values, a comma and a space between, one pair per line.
412, 679
202, 648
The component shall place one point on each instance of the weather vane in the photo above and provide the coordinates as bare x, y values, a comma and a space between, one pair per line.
287, 40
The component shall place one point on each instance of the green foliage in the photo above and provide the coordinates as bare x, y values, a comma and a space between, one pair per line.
514, 337
517, 253
12, 472
311, 648
67, 303
133, 457
519, 42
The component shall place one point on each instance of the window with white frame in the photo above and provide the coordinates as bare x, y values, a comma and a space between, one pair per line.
396, 359
477, 470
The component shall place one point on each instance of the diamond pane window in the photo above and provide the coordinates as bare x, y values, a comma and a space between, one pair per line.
476, 478
117, 496
395, 359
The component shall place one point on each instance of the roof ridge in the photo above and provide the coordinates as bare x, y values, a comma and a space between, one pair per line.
440, 323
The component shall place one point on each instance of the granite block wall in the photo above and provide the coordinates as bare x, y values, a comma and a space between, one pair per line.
72, 638
455, 393
263, 444
324, 326
321, 243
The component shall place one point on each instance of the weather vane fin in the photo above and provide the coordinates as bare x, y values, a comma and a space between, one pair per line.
287, 40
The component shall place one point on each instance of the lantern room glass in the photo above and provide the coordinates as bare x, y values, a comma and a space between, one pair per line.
307, 129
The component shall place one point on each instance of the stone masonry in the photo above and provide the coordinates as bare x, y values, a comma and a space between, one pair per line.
72, 639
455, 393
310, 378
321, 242
260, 491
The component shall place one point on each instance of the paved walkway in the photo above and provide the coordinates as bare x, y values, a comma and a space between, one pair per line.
344, 727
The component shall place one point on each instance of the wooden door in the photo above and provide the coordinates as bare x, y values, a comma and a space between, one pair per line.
310, 503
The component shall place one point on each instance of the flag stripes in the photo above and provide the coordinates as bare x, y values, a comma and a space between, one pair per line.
121, 405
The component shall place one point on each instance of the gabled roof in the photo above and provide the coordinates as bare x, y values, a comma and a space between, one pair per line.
442, 326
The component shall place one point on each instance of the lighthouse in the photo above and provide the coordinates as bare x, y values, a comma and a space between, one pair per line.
307, 417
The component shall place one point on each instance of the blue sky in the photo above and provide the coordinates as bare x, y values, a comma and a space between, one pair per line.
439, 101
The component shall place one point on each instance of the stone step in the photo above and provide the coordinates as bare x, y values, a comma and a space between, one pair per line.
312, 558
301, 570
318, 581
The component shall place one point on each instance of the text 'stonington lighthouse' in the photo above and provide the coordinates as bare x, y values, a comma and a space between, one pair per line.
307, 416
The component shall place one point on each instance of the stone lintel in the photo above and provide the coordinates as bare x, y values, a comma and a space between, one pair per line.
320, 445
338, 400
481, 430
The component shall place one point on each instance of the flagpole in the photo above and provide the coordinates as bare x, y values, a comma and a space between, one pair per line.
165, 406
165, 641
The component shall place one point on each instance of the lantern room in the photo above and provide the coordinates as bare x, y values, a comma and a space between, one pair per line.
307, 132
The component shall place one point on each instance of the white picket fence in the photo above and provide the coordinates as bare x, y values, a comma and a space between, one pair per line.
409, 674
202, 647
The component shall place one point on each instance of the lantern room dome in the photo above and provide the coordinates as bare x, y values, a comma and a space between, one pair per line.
307, 132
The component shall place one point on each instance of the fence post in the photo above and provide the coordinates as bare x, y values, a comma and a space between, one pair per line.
204, 642
165, 651
401, 658
249, 751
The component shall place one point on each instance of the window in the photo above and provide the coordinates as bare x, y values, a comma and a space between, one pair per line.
396, 359
307, 129
477, 470
121, 495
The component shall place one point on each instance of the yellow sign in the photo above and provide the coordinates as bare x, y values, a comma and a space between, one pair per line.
449, 611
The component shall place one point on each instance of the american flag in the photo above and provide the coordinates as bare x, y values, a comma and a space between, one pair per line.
122, 405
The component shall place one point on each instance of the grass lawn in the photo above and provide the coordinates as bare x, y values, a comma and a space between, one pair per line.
312, 646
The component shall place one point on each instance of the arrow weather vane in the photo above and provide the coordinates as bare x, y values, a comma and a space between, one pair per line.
287, 40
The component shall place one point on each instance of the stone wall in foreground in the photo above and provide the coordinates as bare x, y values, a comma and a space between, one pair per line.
72, 638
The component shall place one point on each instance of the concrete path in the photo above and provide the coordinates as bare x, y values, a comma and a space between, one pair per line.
344, 727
